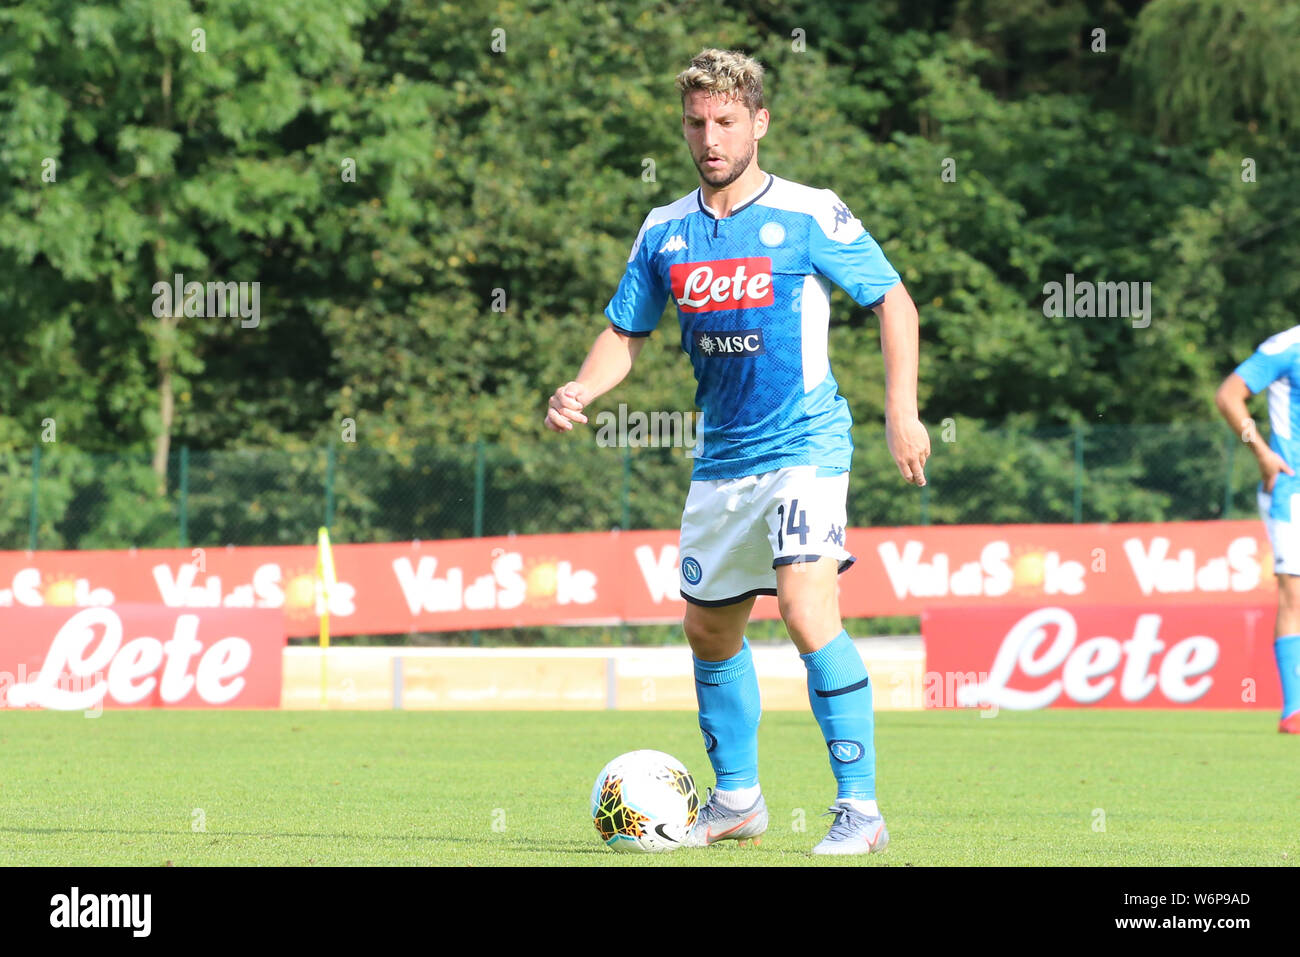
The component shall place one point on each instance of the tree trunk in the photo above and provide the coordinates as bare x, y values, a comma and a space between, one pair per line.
166, 329
166, 400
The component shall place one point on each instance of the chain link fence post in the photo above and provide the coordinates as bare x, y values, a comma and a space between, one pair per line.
35, 510
185, 497
330, 461
480, 493
1227, 482
627, 486
626, 632
1078, 474
480, 486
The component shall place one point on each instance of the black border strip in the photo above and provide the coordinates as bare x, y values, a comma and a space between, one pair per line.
799, 559
728, 601
839, 691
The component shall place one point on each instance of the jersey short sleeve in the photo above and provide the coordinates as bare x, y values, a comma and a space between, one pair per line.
844, 252
641, 295
1272, 360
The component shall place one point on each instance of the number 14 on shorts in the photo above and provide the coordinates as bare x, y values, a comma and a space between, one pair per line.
791, 529
796, 523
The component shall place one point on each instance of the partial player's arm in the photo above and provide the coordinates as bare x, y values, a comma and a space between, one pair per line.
843, 250
606, 365
1231, 400
633, 314
908, 441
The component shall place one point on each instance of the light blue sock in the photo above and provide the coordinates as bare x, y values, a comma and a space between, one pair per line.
727, 692
840, 694
1287, 651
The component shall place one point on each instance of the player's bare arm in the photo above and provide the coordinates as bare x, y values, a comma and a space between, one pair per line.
606, 365
908, 441
1231, 400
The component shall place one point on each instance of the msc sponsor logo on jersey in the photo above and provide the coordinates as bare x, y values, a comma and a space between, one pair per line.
722, 284
741, 342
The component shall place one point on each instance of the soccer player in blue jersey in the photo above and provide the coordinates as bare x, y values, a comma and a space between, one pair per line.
1276, 366
748, 259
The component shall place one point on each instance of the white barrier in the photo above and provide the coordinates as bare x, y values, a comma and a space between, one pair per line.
594, 679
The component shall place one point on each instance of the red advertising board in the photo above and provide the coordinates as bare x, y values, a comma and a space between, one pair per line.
609, 577
1107, 656
140, 656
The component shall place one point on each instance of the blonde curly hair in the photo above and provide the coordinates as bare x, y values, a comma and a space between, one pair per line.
724, 73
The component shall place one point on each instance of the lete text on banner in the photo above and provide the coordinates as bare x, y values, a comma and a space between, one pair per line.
1106, 656
140, 656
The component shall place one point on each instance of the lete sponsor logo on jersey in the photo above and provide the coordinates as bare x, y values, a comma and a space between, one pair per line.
722, 284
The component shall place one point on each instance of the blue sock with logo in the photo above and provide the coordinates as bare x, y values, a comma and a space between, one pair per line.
727, 692
840, 694
1287, 651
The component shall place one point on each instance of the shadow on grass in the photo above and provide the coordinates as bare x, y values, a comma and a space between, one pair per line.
531, 845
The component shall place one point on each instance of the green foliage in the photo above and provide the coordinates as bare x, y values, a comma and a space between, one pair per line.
1207, 66
504, 156
978, 475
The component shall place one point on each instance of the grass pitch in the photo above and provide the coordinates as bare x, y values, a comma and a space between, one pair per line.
511, 788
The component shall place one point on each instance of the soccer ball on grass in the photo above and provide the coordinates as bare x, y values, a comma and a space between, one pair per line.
644, 801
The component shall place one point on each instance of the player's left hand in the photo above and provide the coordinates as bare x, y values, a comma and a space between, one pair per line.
909, 444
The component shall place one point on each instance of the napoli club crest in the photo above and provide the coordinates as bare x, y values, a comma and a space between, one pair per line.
845, 751
772, 234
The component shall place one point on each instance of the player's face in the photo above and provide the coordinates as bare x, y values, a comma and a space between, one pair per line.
722, 136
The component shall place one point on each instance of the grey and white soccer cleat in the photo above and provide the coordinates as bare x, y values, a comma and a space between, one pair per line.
718, 823
853, 832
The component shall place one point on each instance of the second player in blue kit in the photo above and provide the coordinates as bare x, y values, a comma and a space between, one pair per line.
748, 260
1275, 366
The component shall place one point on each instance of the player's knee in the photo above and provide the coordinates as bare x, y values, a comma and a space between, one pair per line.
809, 624
711, 638
1288, 594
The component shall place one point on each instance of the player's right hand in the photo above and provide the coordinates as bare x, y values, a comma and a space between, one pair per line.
1270, 466
566, 406
909, 444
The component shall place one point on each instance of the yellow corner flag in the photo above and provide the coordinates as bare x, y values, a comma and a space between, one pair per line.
324, 588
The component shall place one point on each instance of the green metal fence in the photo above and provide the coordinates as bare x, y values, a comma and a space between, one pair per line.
57, 497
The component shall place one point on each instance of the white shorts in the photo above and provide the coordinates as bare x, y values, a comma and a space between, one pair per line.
1283, 536
736, 532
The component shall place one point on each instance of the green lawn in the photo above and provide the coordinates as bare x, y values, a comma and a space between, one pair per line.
340, 788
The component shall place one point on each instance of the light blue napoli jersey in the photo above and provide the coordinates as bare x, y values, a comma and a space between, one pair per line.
1275, 365
753, 300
